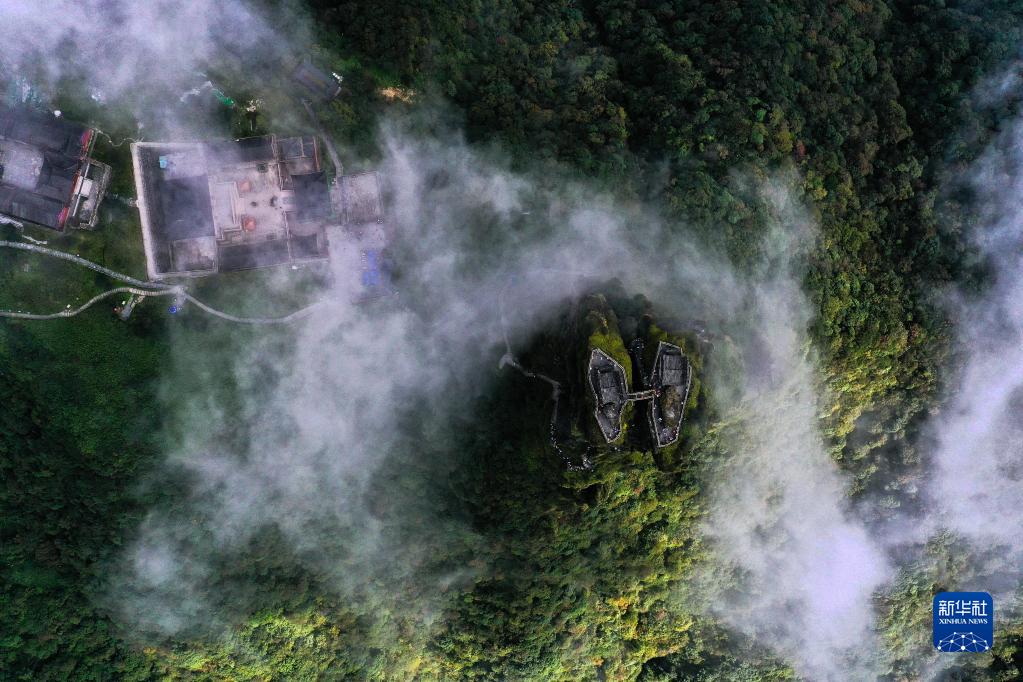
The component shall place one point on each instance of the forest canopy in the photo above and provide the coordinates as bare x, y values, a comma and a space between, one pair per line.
545, 560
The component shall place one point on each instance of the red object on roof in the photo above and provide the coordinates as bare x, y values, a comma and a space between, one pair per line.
86, 138
248, 223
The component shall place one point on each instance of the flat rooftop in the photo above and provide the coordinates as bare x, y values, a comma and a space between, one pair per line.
672, 378
610, 393
231, 205
360, 199
360, 261
317, 82
46, 175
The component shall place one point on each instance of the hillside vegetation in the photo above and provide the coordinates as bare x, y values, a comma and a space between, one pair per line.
573, 573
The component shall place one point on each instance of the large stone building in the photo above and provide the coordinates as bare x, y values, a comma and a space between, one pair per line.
670, 383
47, 176
671, 380
211, 207
610, 393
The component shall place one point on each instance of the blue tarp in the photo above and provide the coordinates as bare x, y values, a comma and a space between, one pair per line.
371, 275
371, 278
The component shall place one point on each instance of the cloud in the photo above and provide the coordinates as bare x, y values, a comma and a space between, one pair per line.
310, 433
976, 477
119, 46
802, 569
972, 443
329, 441
357, 395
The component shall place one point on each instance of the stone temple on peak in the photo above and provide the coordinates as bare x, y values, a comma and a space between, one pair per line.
668, 389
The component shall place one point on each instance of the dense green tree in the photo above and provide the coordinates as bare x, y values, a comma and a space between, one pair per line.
865, 103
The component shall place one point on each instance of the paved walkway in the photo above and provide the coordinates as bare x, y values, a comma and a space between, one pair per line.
138, 287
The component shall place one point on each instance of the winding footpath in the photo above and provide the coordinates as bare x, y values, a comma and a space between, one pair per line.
138, 287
